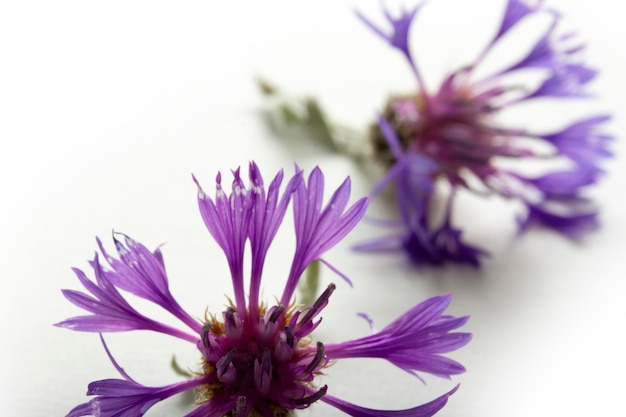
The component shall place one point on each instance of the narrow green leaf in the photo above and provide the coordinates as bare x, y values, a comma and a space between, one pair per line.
309, 286
180, 371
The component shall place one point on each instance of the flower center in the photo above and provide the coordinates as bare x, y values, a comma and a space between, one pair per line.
267, 365
454, 130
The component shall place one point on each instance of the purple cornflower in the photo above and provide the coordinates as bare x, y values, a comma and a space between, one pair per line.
257, 359
451, 135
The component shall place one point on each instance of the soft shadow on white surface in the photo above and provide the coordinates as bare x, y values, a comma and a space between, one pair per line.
107, 108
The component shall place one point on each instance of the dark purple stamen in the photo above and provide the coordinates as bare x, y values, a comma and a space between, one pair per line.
289, 337
276, 313
306, 401
225, 361
319, 355
319, 304
204, 333
263, 372
229, 316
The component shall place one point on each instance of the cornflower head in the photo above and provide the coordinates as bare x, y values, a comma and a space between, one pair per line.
451, 135
256, 359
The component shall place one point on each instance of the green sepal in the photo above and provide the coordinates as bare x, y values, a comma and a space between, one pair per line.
309, 286
177, 368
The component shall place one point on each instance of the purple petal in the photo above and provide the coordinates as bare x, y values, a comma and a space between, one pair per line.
450, 247
566, 81
565, 183
336, 271
126, 397
122, 398
581, 141
228, 219
413, 342
400, 27
414, 170
390, 243
214, 408
111, 312
142, 272
317, 229
515, 11
424, 410
268, 215
571, 224
391, 137
104, 324
542, 55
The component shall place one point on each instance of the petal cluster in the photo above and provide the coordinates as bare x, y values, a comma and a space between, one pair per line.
452, 134
414, 341
256, 359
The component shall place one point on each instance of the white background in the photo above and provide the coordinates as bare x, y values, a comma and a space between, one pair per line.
106, 108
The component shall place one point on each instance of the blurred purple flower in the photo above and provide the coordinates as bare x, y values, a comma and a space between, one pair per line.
257, 360
451, 135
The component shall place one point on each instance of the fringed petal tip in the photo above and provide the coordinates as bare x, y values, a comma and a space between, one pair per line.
414, 342
573, 225
398, 37
440, 247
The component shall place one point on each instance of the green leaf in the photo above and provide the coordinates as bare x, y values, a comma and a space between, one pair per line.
266, 88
